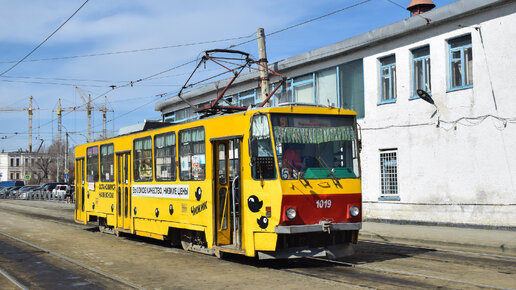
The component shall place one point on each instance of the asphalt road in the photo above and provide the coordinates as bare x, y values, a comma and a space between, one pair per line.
42, 248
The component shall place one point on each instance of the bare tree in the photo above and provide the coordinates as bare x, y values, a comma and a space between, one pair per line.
43, 166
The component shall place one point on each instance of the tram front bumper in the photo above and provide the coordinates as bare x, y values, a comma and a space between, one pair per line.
321, 227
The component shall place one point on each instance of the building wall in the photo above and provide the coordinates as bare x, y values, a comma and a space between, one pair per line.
460, 172
3, 167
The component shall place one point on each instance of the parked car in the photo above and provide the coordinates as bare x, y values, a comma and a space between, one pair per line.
24, 192
4, 191
60, 191
10, 193
47, 188
35, 193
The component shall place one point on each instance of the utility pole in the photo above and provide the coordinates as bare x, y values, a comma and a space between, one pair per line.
66, 157
104, 119
264, 72
88, 109
57, 162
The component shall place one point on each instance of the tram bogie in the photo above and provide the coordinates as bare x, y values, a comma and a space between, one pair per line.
279, 182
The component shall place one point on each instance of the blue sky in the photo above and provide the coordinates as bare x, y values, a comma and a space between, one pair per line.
102, 27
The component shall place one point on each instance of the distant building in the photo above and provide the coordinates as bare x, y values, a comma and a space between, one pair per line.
457, 166
18, 165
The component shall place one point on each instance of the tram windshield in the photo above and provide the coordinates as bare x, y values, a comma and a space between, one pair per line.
315, 146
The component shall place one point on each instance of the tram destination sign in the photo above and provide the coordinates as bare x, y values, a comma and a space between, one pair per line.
162, 190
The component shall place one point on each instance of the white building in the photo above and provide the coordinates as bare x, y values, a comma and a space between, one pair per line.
455, 167
19, 165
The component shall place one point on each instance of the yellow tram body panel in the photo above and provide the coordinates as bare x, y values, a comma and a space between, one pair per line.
214, 189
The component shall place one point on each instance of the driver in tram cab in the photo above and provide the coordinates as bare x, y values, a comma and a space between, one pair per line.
293, 158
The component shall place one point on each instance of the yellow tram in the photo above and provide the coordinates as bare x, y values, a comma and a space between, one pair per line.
280, 182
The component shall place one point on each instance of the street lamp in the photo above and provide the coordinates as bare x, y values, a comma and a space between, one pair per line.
427, 98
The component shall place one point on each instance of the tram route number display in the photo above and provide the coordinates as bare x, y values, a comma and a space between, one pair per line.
163, 190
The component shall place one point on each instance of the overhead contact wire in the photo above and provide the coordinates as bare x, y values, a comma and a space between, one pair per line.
48, 37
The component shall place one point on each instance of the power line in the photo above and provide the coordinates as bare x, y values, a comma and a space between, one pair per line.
65, 79
131, 83
305, 22
135, 50
48, 37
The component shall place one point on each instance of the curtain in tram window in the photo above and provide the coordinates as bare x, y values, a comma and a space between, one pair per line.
170, 140
160, 141
138, 145
313, 135
260, 126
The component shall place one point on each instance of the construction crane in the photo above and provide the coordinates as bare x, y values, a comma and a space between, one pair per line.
88, 107
29, 110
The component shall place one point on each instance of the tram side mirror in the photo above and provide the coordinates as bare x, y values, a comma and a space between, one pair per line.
253, 144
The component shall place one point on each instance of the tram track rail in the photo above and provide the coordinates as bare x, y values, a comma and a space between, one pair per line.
369, 269
405, 273
372, 276
13, 280
443, 250
122, 281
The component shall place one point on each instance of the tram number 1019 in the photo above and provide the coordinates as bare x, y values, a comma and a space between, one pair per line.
323, 203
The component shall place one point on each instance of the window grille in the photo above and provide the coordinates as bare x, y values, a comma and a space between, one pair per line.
389, 172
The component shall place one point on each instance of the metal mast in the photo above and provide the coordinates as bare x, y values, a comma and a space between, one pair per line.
88, 109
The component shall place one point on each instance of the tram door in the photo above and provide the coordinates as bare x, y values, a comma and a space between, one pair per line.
80, 214
123, 191
227, 191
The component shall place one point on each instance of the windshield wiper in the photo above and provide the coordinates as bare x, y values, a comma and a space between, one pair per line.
330, 171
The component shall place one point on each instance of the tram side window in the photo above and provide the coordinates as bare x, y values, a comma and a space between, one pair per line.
192, 156
165, 150
92, 164
262, 156
107, 161
143, 159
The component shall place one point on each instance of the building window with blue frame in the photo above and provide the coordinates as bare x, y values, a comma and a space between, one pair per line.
420, 70
303, 89
461, 63
326, 87
387, 80
351, 86
281, 95
247, 98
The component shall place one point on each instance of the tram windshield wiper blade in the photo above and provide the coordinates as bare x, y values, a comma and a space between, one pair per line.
330, 171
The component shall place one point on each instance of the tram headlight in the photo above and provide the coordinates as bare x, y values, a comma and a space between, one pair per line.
354, 211
291, 213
